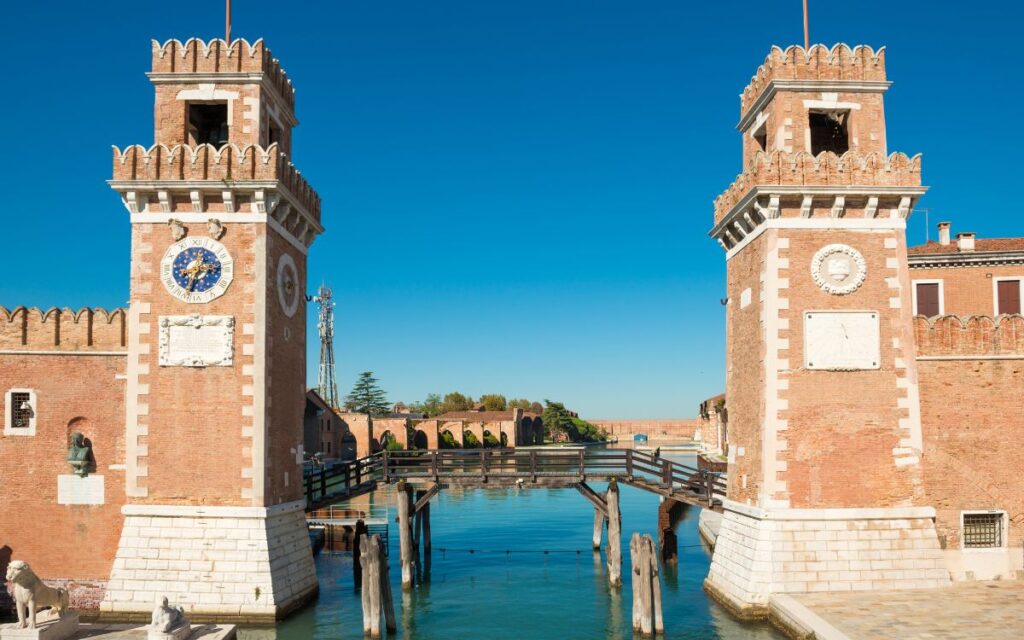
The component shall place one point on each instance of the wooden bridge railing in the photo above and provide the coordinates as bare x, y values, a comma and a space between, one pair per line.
640, 469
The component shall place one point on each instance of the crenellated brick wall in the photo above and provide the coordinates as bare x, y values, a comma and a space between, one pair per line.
32, 329
969, 335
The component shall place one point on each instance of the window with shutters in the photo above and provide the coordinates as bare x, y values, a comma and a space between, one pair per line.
1007, 295
928, 298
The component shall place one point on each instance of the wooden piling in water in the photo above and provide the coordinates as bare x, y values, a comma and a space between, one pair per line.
614, 535
404, 499
598, 525
376, 587
426, 529
357, 568
647, 613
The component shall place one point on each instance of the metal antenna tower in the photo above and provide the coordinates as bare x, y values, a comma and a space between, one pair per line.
327, 384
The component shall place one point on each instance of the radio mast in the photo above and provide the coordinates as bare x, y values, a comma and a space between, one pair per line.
327, 384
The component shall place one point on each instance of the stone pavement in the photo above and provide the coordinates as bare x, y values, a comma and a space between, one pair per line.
972, 611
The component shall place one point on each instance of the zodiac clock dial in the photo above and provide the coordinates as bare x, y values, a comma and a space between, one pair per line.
196, 270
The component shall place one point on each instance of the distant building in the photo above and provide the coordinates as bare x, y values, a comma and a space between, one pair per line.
325, 434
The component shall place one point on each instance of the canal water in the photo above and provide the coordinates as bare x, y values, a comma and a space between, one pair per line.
513, 564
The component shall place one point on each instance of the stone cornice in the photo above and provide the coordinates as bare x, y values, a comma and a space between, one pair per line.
840, 86
961, 260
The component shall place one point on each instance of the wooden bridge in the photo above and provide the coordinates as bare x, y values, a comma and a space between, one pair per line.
519, 468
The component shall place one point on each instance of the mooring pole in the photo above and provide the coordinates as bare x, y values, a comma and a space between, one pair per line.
370, 557
634, 563
598, 525
426, 529
659, 622
404, 496
385, 589
644, 587
357, 548
614, 535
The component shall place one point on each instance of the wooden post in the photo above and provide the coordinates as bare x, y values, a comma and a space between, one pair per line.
371, 586
426, 529
385, 588
405, 533
647, 613
659, 622
644, 587
634, 563
357, 548
598, 525
614, 535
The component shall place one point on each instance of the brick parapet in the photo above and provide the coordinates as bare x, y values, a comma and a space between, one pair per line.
87, 330
222, 168
218, 56
967, 336
869, 171
840, 63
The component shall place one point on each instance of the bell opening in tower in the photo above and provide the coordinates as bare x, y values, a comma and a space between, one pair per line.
829, 131
208, 123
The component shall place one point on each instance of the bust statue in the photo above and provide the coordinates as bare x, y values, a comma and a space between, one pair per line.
167, 618
79, 454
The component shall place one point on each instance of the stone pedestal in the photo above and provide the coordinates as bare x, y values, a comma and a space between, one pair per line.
182, 632
52, 628
221, 564
761, 552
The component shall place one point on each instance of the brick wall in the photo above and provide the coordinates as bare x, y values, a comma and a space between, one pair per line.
968, 291
683, 429
74, 392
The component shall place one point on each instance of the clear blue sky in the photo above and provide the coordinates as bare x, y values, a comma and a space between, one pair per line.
516, 194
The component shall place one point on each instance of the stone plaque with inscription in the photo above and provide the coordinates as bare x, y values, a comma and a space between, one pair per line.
842, 340
196, 341
73, 489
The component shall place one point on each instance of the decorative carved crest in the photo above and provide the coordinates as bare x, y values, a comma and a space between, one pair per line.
839, 269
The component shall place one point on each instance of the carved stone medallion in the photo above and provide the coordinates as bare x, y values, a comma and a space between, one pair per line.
839, 269
287, 285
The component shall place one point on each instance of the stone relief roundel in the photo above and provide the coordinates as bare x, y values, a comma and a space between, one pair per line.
287, 285
839, 269
196, 270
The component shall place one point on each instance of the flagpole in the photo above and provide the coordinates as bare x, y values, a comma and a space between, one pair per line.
807, 33
227, 21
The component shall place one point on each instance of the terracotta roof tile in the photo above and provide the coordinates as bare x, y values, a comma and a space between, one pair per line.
981, 245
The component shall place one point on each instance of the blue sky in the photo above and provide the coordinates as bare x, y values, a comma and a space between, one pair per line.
517, 194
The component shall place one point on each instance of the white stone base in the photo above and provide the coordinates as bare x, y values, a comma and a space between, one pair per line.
47, 628
218, 563
1002, 563
763, 552
180, 633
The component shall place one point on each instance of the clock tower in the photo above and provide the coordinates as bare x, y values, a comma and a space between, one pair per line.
221, 224
825, 443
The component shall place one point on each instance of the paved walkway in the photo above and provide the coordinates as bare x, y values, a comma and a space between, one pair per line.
973, 611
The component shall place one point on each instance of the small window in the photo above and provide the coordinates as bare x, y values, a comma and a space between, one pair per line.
208, 123
927, 299
829, 131
761, 137
983, 530
1007, 296
21, 410
274, 133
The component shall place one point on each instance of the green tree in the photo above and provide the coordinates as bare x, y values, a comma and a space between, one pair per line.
493, 402
519, 403
367, 396
432, 405
557, 419
455, 401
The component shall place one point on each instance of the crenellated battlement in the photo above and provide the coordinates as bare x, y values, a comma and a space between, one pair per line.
33, 329
861, 63
219, 56
969, 336
226, 165
825, 170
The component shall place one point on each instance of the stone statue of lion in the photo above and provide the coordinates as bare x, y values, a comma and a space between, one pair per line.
30, 594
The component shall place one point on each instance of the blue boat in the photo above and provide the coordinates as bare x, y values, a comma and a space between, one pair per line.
640, 437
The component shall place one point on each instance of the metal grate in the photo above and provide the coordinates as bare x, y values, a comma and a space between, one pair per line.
21, 412
983, 530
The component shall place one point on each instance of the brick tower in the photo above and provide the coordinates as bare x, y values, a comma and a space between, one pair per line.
221, 223
825, 488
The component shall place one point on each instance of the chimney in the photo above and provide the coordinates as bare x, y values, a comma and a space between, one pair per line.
965, 241
944, 233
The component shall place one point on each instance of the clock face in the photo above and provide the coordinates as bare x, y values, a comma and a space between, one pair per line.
196, 270
287, 285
